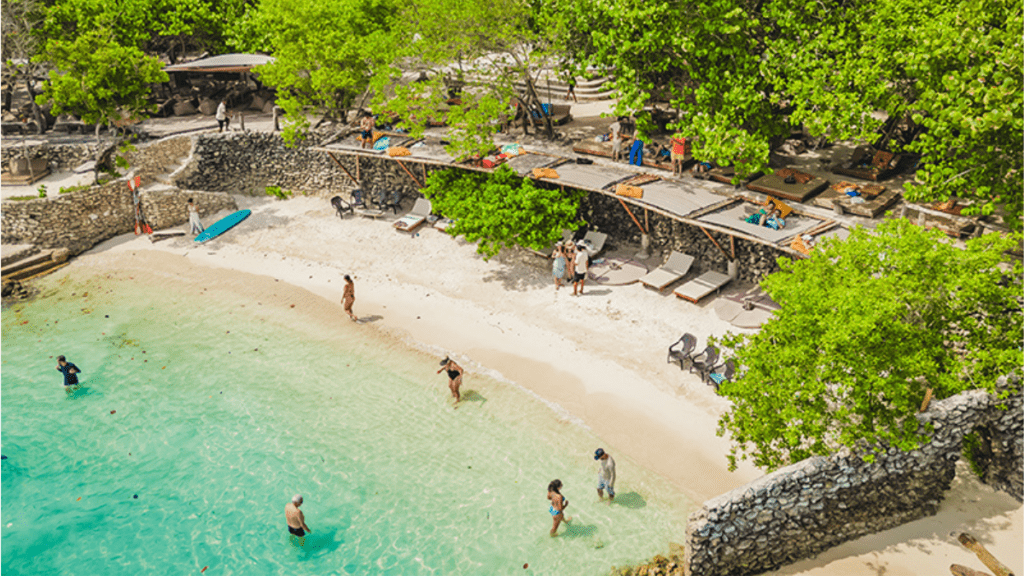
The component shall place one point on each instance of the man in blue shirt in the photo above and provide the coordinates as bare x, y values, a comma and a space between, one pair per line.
69, 370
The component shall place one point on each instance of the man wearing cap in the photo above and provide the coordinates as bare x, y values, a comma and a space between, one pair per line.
296, 519
605, 474
580, 266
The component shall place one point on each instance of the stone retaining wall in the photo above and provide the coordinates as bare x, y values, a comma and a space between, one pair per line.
58, 156
801, 510
153, 161
80, 220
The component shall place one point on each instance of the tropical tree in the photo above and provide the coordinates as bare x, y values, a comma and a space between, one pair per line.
501, 209
465, 63
867, 328
20, 21
953, 68
323, 51
98, 79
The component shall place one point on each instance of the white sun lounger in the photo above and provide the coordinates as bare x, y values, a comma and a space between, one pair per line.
674, 268
594, 241
701, 286
415, 217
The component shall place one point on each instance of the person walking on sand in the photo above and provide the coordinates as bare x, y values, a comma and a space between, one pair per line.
558, 505
581, 260
454, 376
69, 370
296, 519
194, 225
559, 265
348, 297
605, 474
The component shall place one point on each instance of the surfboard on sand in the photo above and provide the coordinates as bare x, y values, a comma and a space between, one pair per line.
223, 225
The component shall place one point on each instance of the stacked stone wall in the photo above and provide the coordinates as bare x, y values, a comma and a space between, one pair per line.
58, 156
801, 510
152, 161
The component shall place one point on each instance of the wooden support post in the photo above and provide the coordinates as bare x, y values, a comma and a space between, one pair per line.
635, 221
647, 221
997, 567
959, 570
342, 166
927, 400
732, 244
424, 166
417, 182
708, 234
358, 176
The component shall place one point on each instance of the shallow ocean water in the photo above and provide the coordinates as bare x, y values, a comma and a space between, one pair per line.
199, 418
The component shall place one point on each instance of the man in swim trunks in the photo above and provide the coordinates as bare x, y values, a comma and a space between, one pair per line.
366, 127
69, 370
580, 266
605, 474
348, 297
295, 519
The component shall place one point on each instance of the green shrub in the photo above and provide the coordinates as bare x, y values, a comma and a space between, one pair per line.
277, 192
42, 190
20, 198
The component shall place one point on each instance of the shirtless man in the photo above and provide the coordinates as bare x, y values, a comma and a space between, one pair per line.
296, 520
366, 126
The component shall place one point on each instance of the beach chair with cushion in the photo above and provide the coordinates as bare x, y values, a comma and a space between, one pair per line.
341, 207
721, 373
594, 242
704, 362
701, 286
682, 350
418, 215
675, 267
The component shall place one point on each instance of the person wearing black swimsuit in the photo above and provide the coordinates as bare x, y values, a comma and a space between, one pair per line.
454, 376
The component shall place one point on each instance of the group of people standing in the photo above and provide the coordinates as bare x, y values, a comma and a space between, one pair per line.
605, 482
570, 265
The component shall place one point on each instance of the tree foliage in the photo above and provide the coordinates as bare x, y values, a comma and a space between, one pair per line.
867, 325
324, 52
501, 209
20, 21
98, 79
468, 49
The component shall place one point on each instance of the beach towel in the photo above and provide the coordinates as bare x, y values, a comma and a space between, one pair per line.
544, 173
512, 149
800, 246
382, 144
800, 177
399, 151
630, 191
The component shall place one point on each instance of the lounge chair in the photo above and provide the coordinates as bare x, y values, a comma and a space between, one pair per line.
682, 350
359, 205
721, 373
675, 267
594, 242
418, 215
340, 206
701, 286
704, 362
442, 224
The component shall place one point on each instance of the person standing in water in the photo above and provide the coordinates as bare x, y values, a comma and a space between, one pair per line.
195, 226
348, 297
69, 370
454, 376
558, 505
296, 519
605, 474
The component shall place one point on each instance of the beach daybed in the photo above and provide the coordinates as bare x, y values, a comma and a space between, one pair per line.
682, 350
867, 163
675, 267
442, 224
874, 199
415, 217
701, 286
725, 174
799, 187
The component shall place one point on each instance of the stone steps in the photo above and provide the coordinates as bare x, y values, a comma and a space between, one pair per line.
35, 265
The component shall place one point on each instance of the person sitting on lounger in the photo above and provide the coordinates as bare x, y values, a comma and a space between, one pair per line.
773, 220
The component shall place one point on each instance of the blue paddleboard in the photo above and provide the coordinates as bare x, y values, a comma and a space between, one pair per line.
223, 225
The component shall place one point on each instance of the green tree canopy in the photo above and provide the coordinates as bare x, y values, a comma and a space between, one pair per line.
323, 50
501, 209
98, 79
867, 325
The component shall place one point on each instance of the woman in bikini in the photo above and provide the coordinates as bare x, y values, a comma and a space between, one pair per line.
558, 505
558, 266
454, 376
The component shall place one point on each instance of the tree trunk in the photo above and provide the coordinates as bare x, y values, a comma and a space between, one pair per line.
7, 97
540, 106
37, 113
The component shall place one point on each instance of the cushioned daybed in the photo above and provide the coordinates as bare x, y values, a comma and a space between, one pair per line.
874, 202
804, 186
867, 163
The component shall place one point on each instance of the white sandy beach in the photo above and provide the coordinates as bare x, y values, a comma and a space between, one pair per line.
599, 357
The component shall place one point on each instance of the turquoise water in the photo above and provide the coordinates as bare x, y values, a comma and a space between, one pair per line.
214, 414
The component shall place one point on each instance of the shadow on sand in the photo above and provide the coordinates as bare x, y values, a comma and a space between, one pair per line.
369, 319
472, 396
631, 500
